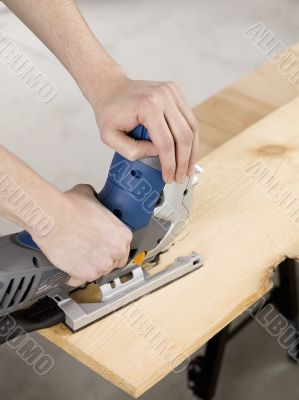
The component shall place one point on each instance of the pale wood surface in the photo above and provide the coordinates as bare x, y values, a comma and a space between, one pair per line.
236, 225
243, 103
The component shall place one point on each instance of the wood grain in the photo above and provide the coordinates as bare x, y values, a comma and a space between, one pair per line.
237, 224
243, 103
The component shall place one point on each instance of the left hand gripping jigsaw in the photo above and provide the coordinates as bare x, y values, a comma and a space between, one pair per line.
34, 292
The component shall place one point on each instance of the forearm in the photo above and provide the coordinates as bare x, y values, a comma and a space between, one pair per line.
72, 229
60, 25
119, 103
25, 197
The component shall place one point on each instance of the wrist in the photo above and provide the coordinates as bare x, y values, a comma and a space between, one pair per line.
25, 197
101, 81
40, 213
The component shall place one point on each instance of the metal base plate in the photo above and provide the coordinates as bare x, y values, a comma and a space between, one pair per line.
120, 292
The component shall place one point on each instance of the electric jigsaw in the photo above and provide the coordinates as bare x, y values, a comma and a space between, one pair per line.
35, 293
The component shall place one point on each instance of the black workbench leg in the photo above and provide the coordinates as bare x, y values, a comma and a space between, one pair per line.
203, 371
288, 299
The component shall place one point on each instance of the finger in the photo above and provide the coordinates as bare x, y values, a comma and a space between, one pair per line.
161, 136
128, 147
184, 107
183, 136
194, 155
192, 121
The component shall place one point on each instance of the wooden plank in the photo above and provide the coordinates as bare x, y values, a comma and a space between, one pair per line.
243, 103
118, 347
241, 230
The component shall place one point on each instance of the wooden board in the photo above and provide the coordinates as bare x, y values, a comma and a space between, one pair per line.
240, 229
236, 225
243, 103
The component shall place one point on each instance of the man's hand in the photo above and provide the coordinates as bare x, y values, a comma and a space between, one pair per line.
121, 104
87, 241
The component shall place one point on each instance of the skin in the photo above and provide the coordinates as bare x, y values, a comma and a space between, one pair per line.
87, 241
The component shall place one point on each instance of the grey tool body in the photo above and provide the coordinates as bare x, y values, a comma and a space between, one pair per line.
25, 275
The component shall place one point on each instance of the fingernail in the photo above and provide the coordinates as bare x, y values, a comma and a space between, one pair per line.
167, 179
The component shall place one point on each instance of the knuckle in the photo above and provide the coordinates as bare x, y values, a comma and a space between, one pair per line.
174, 85
123, 251
105, 130
187, 136
105, 138
119, 250
129, 236
107, 266
152, 100
167, 145
195, 126
170, 171
132, 153
163, 88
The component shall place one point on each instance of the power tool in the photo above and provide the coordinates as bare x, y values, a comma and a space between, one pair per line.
34, 292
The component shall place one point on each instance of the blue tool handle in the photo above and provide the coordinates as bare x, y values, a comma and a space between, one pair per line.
133, 188
131, 191
140, 133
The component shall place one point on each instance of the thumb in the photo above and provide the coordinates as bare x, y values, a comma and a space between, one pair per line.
128, 147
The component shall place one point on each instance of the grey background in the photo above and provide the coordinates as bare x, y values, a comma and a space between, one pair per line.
198, 43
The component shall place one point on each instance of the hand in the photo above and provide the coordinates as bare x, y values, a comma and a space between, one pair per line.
87, 241
122, 104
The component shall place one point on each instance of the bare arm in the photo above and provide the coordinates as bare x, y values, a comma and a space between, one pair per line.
76, 233
59, 24
120, 104
25, 197
86, 240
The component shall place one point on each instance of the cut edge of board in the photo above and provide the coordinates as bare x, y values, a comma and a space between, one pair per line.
85, 359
